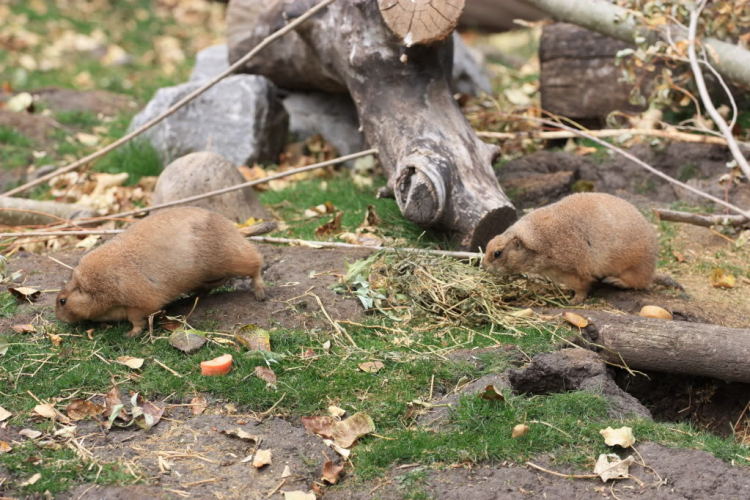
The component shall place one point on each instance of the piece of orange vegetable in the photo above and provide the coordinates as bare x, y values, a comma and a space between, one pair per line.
218, 366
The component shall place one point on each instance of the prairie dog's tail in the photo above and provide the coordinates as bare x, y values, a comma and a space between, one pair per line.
258, 229
666, 281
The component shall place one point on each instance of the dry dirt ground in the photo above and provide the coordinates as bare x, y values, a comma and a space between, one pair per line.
208, 464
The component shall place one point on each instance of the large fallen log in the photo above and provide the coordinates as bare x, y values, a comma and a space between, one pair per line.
666, 346
439, 171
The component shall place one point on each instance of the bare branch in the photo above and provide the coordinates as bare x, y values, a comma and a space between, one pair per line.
703, 91
702, 220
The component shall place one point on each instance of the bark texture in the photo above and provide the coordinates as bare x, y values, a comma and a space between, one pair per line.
672, 346
440, 172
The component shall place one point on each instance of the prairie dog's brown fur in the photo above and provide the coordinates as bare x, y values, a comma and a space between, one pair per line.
580, 239
171, 252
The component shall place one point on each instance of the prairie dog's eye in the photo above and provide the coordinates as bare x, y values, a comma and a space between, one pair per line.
63, 301
497, 254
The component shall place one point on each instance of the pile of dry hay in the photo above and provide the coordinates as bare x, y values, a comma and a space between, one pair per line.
447, 289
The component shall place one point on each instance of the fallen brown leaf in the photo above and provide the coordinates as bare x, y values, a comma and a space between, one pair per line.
346, 432
55, 339
612, 467
265, 373
371, 366
23, 328
130, 362
299, 495
372, 219
240, 434
30, 433
198, 405
335, 411
4, 414
79, 409
261, 458
254, 338
331, 472
5, 447
519, 430
655, 312
322, 426
618, 437
720, 279
492, 394
25, 293
330, 227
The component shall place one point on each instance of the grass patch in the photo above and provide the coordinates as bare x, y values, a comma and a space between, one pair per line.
77, 118
138, 158
60, 467
12, 137
291, 203
8, 305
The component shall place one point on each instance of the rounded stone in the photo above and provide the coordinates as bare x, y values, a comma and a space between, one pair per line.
202, 172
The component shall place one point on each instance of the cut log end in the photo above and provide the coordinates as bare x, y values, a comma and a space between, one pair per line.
420, 190
421, 21
492, 223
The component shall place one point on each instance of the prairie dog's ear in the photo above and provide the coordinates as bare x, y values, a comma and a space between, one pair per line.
523, 237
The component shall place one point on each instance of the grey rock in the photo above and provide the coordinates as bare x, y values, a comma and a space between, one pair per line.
469, 77
199, 173
210, 62
240, 118
333, 116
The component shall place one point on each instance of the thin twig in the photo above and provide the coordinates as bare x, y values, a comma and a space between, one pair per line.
703, 92
568, 476
563, 134
167, 368
277, 488
231, 69
61, 263
632, 158
550, 426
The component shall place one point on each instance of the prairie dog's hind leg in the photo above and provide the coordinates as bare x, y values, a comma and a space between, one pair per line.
250, 263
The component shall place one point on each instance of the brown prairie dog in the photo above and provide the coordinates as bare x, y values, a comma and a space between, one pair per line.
171, 252
581, 239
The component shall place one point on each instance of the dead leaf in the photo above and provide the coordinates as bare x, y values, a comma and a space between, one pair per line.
678, 256
23, 328
330, 227
30, 433
111, 399
309, 354
335, 411
331, 472
4, 414
287, 472
239, 433
87, 139
346, 432
265, 373
22, 101
261, 458
299, 495
187, 341
145, 413
372, 219
198, 405
575, 319
371, 366
4, 345
322, 426
68, 432
338, 449
655, 312
323, 209
25, 293
33, 479
130, 362
612, 467
519, 430
79, 409
618, 437
55, 339
254, 338
491, 393
46, 410
5, 447
720, 279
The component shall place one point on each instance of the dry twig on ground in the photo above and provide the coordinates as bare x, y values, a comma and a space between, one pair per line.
702, 220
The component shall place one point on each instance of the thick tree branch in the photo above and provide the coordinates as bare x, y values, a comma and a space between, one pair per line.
702, 220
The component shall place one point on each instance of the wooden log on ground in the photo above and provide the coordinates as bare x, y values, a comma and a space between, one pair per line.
439, 170
702, 220
579, 78
671, 346
27, 212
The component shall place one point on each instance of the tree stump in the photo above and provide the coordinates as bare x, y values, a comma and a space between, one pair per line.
579, 78
439, 171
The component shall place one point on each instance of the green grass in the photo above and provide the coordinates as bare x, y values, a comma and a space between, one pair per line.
11, 137
15, 148
77, 118
291, 203
138, 158
60, 467
8, 305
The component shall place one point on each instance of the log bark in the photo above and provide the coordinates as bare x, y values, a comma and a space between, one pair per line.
671, 346
702, 220
440, 172
578, 75
26, 212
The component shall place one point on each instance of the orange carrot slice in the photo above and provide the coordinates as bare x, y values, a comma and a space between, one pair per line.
218, 366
